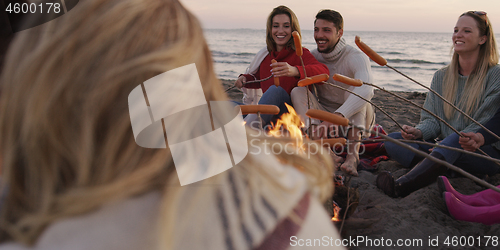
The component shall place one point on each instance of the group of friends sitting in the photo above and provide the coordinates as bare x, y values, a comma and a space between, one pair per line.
471, 81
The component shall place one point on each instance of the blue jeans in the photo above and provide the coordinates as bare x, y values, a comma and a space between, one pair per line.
275, 96
469, 163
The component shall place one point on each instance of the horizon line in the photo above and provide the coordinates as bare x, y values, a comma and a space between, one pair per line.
344, 30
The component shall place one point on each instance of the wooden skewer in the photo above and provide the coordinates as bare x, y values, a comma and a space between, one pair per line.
336, 119
366, 100
435, 145
382, 62
347, 80
261, 80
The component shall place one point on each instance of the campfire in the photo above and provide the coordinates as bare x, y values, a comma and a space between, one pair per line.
336, 212
289, 125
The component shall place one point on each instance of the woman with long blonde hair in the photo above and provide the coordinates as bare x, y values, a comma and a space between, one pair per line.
73, 175
472, 83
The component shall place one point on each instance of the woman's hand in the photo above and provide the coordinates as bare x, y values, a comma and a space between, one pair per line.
240, 82
411, 133
471, 141
280, 69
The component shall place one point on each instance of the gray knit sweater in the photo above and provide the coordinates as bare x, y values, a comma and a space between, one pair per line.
432, 128
351, 62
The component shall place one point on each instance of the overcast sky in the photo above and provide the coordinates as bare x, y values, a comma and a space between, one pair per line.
359, 15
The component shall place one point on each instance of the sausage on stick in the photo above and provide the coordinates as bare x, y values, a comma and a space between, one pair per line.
327, 116
298, 43
369, 52
314, 79
382, 62
276, 79
347, 80
263, 109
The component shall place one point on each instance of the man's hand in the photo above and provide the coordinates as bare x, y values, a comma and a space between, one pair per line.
471, 141
411, 133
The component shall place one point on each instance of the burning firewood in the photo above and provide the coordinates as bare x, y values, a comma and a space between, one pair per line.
344, 200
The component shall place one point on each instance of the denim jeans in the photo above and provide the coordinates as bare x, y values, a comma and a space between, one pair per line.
469, 163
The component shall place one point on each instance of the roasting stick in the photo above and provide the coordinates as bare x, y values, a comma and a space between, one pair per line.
357, 82
336, 119
350, 81
382, 62
261, 80
300, 52
435, 145
316, 79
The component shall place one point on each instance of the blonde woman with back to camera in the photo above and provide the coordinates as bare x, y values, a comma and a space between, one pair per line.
74, 177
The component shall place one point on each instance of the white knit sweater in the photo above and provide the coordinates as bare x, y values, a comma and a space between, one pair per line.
351, 62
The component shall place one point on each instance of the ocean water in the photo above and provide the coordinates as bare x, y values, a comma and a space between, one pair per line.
417, 55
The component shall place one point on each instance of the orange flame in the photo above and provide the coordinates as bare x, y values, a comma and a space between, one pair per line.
336, 212
290, 122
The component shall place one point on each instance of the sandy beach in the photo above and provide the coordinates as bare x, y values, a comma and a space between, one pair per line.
420, 219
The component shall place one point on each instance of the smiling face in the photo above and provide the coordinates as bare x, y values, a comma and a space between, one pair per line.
326, 35
281, 30
466, 37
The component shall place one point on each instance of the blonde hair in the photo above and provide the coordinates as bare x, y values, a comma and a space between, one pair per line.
294, 23
67, 143
488, 57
